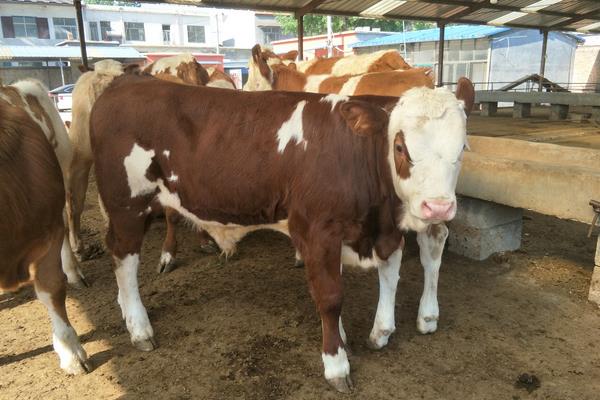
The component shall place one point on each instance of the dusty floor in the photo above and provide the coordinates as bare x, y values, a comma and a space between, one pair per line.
246, 328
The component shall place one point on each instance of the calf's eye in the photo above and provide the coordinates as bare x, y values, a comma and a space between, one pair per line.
399, 148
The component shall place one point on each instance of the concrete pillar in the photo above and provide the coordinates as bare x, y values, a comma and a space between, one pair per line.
489, 109
521, 110
596, 112
594, 293
558, 111
482, 228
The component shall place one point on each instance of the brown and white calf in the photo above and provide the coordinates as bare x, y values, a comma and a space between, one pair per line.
182, 69
343, 176
32, 97
32, 233
276, 76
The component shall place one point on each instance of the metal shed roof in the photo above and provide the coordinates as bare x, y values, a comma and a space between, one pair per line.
566, 15
431, 35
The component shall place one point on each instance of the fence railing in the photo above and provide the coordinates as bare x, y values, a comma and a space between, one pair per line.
577, 87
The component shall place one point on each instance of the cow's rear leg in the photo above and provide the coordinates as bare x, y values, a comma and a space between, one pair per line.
384, 326
169, 248
431, 244
325, 282
50, 286
124, 239
79, 174
70, 265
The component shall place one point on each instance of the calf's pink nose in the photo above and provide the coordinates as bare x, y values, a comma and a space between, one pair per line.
438, 209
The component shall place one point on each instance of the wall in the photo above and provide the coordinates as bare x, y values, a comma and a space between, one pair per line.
49, 76
517, 53
586, 67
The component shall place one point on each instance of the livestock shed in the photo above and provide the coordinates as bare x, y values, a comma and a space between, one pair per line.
512, 320
490, 56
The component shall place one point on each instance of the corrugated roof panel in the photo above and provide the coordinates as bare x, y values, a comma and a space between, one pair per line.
539, 19
579, 6
431, 35
421, 9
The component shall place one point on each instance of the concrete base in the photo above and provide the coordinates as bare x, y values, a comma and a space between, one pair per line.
594, 293
521, 110
596, 112
558, 111
482, 228
489, 109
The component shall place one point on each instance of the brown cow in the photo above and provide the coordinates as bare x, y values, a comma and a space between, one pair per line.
32, 199
277, 76
343, 176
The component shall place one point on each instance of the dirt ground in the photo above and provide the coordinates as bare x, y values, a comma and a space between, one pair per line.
246, 328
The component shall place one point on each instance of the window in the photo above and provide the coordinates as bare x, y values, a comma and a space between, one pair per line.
272, 33
62, 27
25, 27
104, 30
93, 29
135, 31
166, 30
195, 34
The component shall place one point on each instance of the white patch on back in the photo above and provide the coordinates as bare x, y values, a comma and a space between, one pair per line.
334, 99
313, 83
292, 129
172, 63
167, 153
302, 66
220, 83
359, 64
136, 164
350, 86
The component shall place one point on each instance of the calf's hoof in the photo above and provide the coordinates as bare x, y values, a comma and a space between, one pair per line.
145, 344
427, 325
342, 384
166, 263
299, 263
378, 340
77, 366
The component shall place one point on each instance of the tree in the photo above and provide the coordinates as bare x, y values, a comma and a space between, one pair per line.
317, 24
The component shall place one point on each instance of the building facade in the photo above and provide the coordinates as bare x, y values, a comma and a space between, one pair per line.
153, 30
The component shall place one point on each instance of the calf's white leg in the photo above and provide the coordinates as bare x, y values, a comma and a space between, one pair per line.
134, 312
431, 243
384, 325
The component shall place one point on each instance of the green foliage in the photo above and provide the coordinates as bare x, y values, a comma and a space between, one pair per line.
317, 24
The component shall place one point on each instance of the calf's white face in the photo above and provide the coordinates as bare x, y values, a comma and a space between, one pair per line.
427, 135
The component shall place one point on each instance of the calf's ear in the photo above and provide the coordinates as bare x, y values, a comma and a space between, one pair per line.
259, 60
363, 118
290, 55
465, 92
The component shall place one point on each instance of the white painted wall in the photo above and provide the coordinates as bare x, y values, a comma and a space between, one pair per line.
35, 10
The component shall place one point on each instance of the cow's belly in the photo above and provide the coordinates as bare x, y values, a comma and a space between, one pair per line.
351, 258
226, 235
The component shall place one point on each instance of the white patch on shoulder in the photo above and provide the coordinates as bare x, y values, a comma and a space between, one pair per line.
334, 99
171, 63
136, 164
358, 64
220, 83
166, 153
292, 129
351, 258
313, 83
336, 365
173, 177
350, 86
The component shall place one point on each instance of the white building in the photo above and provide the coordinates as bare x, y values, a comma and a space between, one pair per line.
150, 29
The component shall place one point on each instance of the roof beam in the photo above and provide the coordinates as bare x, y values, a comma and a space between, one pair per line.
592, 15
496, 7
309, 7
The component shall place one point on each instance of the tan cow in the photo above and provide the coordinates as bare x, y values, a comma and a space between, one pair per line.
220, 79
32, 97
183, 69
32, 233
277, 76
